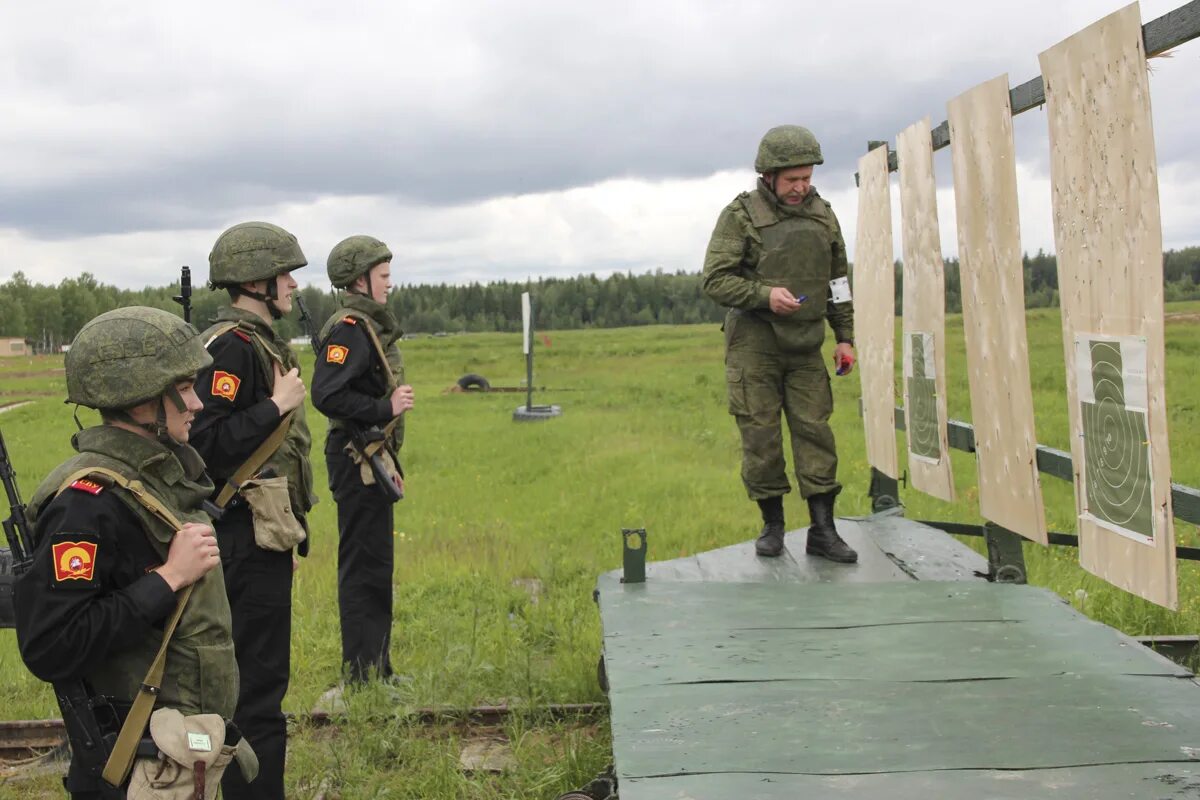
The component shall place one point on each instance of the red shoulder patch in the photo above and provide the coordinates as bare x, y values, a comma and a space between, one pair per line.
84, 485
241, 335
225, 384
336, 354
74, 561
350, 320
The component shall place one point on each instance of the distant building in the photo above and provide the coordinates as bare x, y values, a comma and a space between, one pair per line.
10, 346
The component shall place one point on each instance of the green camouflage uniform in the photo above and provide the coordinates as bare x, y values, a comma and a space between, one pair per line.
773, 363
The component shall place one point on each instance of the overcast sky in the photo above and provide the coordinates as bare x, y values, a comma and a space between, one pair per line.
492, 140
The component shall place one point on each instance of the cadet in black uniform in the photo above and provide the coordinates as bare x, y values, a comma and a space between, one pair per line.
359, 380
105, 568
253, 388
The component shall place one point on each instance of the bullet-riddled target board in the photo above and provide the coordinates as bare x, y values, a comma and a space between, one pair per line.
924, 316
993, 296
1108, 231
875, 303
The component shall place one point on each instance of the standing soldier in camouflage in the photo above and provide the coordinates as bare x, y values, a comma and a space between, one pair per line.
359, 381
253, 436
777, 260
106, 564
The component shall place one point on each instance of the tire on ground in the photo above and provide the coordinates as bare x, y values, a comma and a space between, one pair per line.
473, 383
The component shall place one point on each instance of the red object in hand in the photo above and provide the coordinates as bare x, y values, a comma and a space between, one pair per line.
844, 364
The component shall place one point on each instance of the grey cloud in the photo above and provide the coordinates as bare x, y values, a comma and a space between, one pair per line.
175, 119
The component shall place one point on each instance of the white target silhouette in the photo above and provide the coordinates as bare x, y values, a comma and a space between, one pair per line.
923, 438
1117, 461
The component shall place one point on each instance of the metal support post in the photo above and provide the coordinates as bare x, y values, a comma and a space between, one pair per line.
884, 491
635, 555
1006, 558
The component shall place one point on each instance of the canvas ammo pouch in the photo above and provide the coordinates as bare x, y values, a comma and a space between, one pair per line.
192, 756
364, 465
275, 526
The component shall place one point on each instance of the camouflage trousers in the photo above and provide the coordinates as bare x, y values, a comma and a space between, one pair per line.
765, 383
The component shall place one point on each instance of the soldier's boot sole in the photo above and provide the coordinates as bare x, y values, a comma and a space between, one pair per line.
842, 555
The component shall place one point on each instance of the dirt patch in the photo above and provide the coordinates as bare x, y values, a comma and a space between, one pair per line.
34, 374
1183, 316
11, 406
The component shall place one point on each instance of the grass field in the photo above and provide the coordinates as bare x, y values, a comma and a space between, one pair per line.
507, 525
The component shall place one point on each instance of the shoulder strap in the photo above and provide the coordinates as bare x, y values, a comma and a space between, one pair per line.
374, 337
760, 211
261, 455
120, 760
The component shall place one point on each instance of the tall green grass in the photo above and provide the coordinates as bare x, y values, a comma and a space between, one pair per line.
644, 441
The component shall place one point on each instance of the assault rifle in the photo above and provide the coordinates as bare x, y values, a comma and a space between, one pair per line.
15, 562
184, 298
91, 721
362, 437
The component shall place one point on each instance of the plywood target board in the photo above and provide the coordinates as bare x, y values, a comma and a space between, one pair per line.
1108, 232
924, 316
993, 296
875, 302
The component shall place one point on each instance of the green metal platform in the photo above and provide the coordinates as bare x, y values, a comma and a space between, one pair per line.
904, 676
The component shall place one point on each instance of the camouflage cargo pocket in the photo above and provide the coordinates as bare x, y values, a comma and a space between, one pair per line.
735, 379
275, 526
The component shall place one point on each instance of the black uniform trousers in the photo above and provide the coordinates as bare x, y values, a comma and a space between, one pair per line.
259, 585
366, 556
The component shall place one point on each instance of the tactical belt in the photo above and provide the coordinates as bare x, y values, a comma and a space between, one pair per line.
120, 760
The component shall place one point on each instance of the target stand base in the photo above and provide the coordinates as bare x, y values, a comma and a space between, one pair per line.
536, 413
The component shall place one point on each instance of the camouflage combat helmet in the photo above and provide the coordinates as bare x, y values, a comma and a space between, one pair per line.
127, 356
253, 251
787, 146
353, 257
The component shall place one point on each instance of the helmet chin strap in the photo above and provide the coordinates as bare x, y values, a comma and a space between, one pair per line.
157, 428
269, 297
368, 293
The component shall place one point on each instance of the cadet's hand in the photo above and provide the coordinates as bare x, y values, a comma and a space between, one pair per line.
402, 400
289, 390
399, 483
192, 555
843, 358
783, 303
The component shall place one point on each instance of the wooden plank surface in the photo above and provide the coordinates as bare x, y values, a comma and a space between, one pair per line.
1109, 239
924, 310
824, 685
875, 311
993, 297
855, 727
1176, 781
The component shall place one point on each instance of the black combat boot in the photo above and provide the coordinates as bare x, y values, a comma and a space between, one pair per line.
823, 539
770, 541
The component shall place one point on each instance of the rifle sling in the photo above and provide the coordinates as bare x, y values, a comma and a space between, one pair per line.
120, 760
374, 447
262, 454
251, 465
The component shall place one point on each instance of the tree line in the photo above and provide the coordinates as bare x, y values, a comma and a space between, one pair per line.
49, 315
